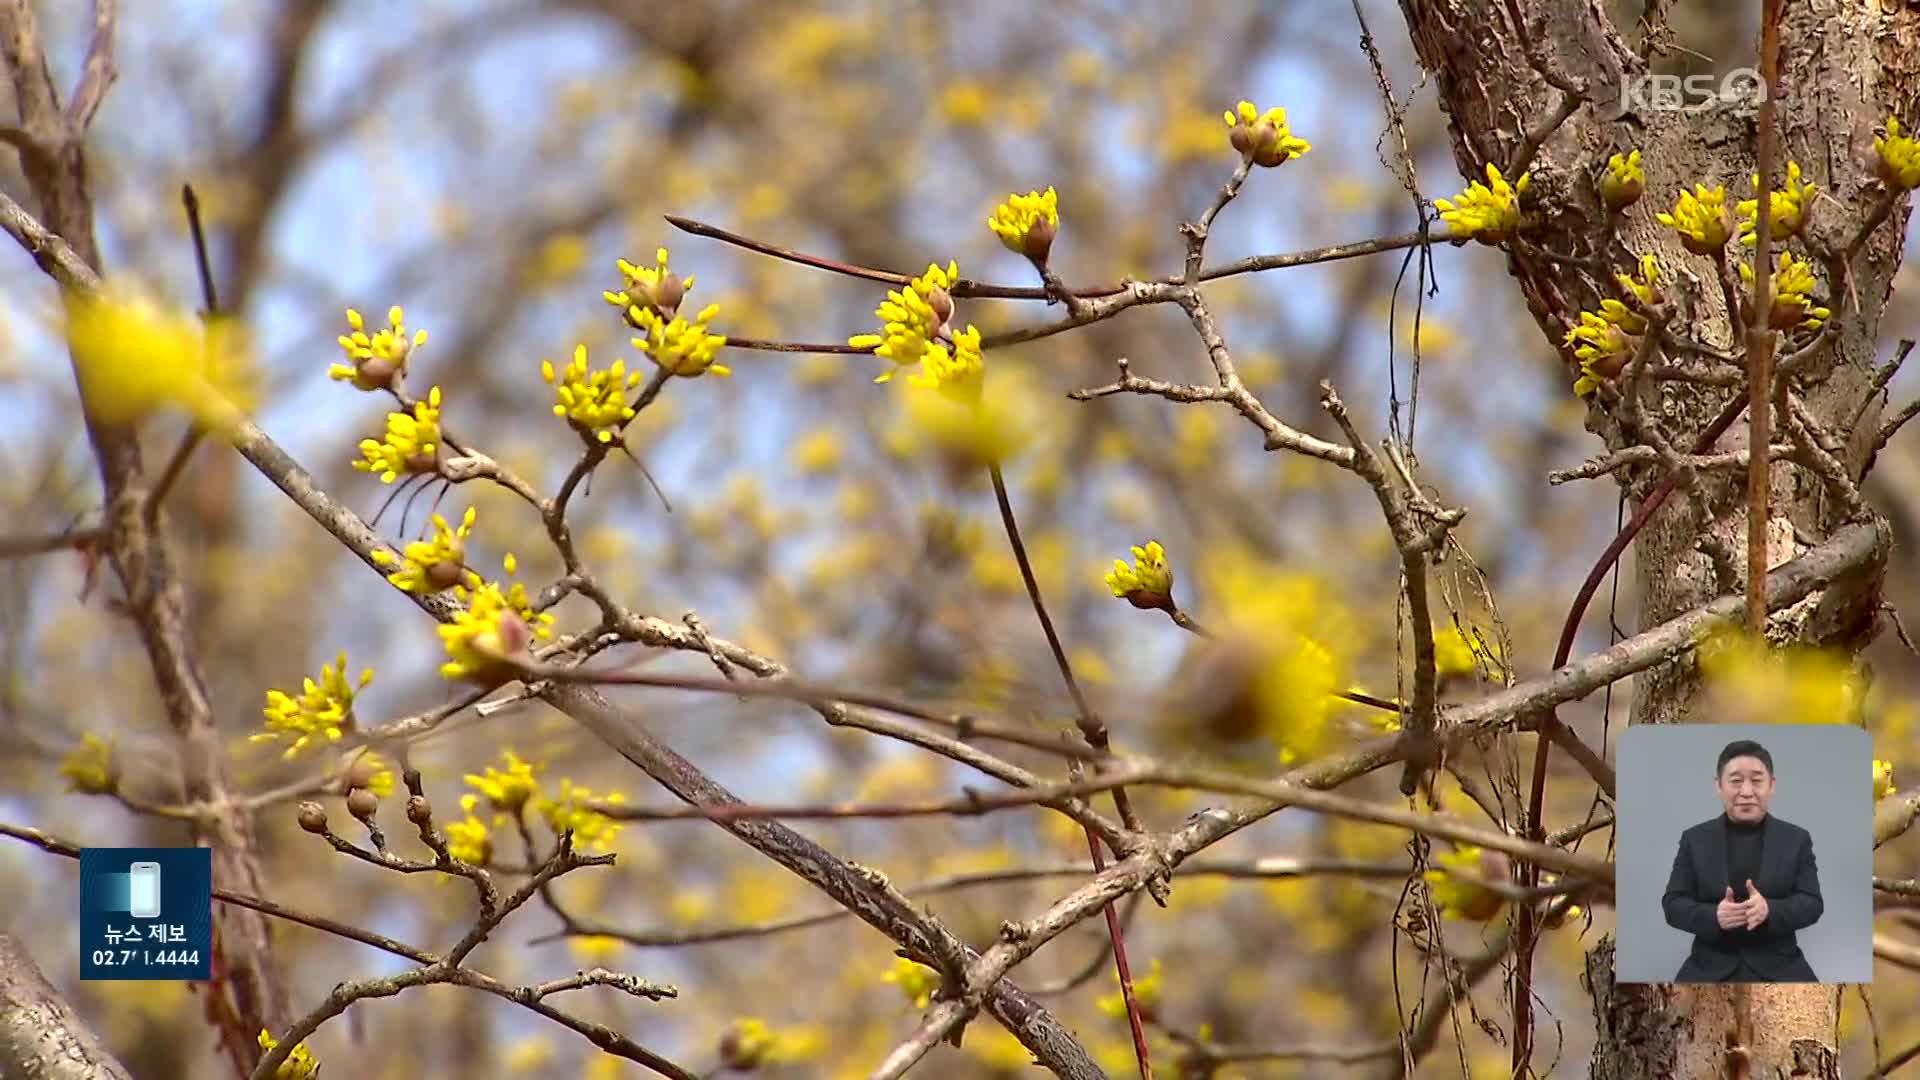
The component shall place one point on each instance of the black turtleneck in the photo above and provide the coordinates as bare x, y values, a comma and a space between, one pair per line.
1743, 853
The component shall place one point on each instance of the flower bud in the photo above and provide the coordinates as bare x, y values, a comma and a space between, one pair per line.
419, 810
941, 301
362, 804
1621, 192
375, 373
312, 817
1039, 240
361, 772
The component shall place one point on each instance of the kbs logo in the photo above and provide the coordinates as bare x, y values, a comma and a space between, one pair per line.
1691, 93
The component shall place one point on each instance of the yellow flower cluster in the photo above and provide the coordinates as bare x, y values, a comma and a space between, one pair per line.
411, 446
1263, 138
1700, 217
593, 401
1283, 637
1624, 181
496, 626
651, 304
1899, 156
1787, 208
430, 566
322, 711
376, 361
1754, 682
751, 1043
654, 287
1459, 888
571, 811
1882, 779
300, 1063
1603, 341
958, 373
1489, 212
912, 318
510, 790
133, 356
90, 768
1027, 224
680, 347
1148, 583
469, 840
1458, 656
1791, 302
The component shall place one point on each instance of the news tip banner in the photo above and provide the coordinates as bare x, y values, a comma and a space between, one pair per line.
146, 913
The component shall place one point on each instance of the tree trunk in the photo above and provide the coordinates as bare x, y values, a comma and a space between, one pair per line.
1844, 67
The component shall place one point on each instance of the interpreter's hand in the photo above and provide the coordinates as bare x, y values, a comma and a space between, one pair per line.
1730, 913
1756, 907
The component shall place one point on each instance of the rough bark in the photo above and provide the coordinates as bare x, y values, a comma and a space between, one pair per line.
1845, 67
53, 159
40, 1034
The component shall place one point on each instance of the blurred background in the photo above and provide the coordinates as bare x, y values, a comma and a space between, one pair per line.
484, 164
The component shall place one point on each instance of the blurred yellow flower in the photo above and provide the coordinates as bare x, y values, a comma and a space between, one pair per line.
134, 356
90, 768
321, 712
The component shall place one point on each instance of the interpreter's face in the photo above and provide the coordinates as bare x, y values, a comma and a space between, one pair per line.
1746, 789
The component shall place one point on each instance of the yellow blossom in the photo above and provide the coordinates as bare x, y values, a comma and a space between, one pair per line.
572, 811
134, 356
300, 1063
1602, 348
1700, 217
412, 444
1791, 287
1280, 655
1146, 994
1488, 212
1459, 888
1026, 224
322, 711
911, 318
1787, 208
593, 401
1644, 285
1459, 655
818, 452
1883, 786
655, 287
468, 840
958, 373
917, 981
376, 360
1148, 583
1755, 682
90, 768
750, 1043
1899, 156
968, 433
510, 790
432, 565
680, 347
496, 625
1263, 138
1624, 181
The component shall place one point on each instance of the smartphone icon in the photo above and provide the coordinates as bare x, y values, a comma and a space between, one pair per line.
143, 892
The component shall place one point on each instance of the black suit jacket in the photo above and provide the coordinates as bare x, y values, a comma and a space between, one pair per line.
1787, 879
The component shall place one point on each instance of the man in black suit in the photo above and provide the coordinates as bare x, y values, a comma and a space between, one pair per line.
1744, 884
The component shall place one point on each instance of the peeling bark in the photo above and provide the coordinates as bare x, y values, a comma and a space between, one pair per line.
1845, 67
